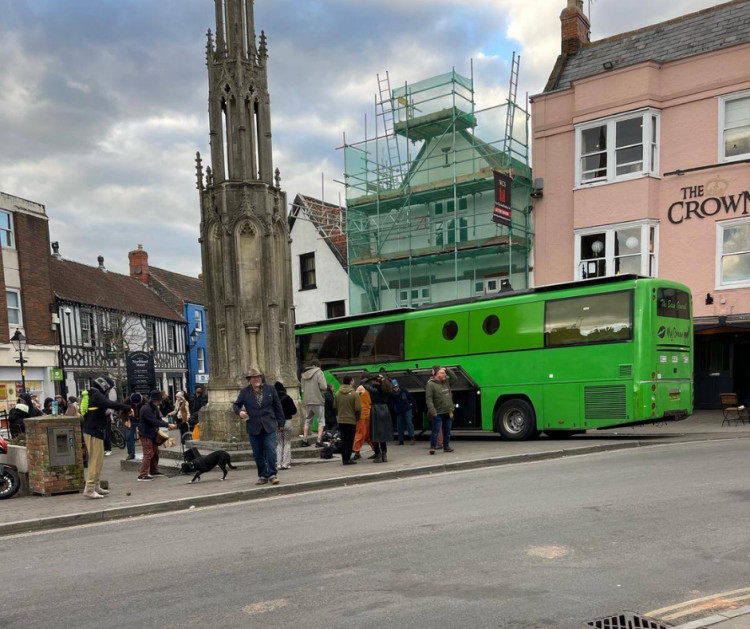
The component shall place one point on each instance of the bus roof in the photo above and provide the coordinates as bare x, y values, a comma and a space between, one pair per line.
616, 279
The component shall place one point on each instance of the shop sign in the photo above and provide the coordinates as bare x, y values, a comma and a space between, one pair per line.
141, 373
501, 213
708, 200
56, 375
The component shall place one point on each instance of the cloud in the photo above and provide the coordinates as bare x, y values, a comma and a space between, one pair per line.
103, 102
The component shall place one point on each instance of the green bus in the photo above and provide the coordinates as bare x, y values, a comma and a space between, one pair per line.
562, 358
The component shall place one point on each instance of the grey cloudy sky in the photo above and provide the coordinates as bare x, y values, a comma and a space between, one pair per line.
103, 102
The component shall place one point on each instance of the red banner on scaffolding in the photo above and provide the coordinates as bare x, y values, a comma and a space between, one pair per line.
502, 212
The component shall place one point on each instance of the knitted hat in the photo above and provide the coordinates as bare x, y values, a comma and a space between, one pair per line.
136, 398
394, 382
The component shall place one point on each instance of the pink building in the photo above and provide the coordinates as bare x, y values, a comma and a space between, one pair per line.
643, 143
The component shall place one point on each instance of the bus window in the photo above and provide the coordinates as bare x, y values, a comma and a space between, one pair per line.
331, 348
602, 318
377, 343
672, 303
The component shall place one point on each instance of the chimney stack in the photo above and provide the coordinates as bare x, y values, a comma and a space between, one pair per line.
575, 27
100, 260
139, 264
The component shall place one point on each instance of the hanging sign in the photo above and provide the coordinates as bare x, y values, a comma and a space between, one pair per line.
501, 213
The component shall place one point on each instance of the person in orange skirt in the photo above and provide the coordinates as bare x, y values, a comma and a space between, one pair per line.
362, 434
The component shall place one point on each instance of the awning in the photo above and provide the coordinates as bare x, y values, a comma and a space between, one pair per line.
721, 323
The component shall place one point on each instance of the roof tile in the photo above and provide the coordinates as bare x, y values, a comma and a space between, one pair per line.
80, 283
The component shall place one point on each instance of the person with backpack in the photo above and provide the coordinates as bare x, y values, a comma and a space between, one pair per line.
284, 436
94, 427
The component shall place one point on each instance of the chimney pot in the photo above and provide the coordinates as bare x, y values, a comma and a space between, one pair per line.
575, 27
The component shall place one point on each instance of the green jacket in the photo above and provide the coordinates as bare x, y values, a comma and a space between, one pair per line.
439, 397
348, 405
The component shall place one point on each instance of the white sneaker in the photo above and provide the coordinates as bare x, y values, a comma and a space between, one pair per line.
90, 492
103, 492
107, 452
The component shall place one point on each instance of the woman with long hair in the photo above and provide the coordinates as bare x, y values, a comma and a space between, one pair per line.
381, 425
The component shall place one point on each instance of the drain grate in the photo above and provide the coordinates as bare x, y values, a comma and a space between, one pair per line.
626, 620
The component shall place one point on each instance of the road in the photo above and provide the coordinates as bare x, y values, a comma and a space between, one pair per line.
545, 544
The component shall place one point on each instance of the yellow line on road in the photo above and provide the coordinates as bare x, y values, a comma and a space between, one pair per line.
698, 604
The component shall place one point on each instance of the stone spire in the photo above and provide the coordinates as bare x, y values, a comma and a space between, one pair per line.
239, 105
244, 232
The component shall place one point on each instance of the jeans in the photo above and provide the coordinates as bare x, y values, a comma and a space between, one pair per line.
264, 453
403, 421
130, 437
443, 421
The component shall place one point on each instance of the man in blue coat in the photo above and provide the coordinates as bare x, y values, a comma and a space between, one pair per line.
258, 404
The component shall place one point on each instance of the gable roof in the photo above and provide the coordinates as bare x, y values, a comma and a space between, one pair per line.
80, 283
711, 29
328, 219
187, 289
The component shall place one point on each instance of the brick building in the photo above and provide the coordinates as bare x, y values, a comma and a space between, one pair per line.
25, 299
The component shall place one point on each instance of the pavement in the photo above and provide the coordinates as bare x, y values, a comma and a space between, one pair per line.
129, 498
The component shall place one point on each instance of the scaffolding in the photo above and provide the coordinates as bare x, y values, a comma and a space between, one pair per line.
420, 196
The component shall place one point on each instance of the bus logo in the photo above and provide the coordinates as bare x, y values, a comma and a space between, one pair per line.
673, 334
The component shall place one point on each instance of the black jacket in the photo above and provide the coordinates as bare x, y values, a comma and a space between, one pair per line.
330, 408
197, 402
287, 405
95, 420
150, 420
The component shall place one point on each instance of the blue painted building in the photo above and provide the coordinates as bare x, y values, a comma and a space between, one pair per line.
184, 294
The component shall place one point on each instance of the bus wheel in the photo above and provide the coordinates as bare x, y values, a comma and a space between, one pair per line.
515, 420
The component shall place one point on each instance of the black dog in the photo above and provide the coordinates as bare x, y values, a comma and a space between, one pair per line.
207, 463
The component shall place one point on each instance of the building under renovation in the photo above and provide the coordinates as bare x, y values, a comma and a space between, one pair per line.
421, 197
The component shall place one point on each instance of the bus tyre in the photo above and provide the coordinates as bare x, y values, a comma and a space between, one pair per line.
515, 420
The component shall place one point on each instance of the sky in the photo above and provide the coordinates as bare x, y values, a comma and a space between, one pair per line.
103, 103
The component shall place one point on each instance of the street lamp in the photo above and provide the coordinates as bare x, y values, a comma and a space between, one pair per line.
194, 338
18, 341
